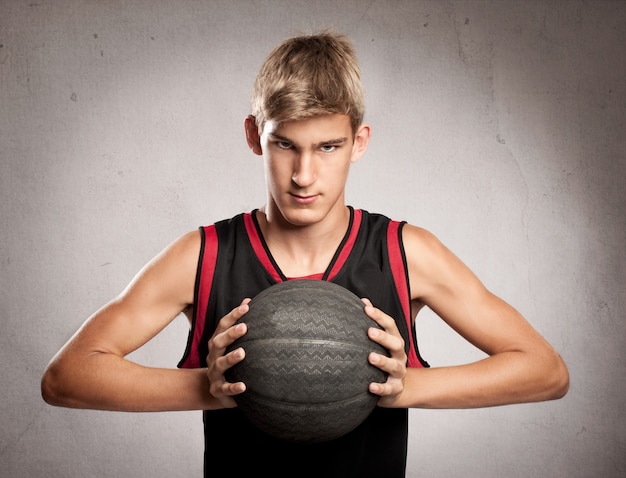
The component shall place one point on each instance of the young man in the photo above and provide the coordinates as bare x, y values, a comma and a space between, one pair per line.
307, 124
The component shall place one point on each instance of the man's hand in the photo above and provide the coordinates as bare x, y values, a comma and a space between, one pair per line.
218, 362
395, 364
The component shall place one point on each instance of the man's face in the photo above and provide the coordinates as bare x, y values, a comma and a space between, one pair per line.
307, 164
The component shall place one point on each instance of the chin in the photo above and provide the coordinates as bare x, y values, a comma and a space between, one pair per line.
302, 216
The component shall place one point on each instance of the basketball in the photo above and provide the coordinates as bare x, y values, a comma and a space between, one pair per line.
306, 368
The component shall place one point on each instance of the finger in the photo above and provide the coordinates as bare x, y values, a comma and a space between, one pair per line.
218, 361
393, 366
225, 387
377, 388
232, 358
226, 391
227, 330
222, 340
386, 389
385, 321
386, 364
219, 386
234, 315
393, 342
232, 389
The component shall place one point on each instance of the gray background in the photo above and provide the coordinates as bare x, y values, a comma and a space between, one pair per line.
499, 126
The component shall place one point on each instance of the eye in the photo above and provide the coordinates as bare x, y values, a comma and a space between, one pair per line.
283, 144
328, 148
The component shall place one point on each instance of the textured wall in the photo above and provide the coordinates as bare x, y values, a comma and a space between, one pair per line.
497, 125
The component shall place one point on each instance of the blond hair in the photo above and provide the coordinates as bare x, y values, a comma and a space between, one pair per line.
307, 76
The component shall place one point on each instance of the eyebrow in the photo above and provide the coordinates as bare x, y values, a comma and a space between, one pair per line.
317, 145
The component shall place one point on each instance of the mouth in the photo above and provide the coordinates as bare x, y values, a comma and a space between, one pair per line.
304, 200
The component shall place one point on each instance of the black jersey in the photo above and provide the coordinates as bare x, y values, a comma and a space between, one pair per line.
235, 263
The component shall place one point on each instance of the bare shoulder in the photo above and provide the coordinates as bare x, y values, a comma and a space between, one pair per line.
433, 268
424, 250
171, 274
161, 289
184, 249
417, 239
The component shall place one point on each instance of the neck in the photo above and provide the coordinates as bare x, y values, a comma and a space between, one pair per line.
303, 250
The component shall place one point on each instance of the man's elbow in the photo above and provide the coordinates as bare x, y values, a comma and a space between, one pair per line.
557, 380
52, 388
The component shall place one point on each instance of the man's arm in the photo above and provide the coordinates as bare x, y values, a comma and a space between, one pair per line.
91, 371
521, 366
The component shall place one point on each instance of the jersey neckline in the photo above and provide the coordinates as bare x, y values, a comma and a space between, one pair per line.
264, 255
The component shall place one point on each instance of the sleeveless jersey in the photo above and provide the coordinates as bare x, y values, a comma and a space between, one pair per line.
235, 263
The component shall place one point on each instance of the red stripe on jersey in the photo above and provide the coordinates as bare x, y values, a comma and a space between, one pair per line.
346, 249
396, 262
206, 272
259, 250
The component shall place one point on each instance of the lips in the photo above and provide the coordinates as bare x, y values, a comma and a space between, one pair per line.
304, 200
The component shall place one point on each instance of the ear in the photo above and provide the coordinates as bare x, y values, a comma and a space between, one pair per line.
361, 140
252, 135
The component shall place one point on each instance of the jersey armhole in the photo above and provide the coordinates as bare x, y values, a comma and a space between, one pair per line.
399, 269
204, 283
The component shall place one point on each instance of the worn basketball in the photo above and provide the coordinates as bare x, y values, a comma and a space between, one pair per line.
306, 368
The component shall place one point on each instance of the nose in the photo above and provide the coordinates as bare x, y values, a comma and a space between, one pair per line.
304, 170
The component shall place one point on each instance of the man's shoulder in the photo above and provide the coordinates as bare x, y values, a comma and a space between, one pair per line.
377, 218
229, 220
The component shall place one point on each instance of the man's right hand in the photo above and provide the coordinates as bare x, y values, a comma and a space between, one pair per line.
218, 361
